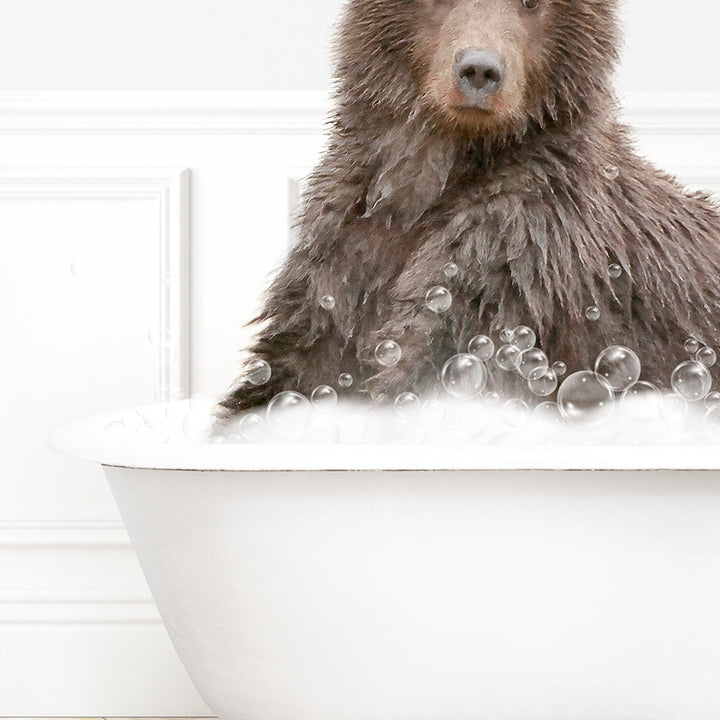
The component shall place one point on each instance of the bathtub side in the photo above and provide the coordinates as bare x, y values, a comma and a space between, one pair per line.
376, 596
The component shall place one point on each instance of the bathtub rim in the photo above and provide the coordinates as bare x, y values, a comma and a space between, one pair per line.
79, 438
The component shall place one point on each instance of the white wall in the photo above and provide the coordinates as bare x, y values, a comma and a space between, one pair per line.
281, 45
670, 47
92, 187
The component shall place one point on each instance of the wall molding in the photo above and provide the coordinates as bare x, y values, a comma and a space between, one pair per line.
92, 533
672, 113
275, 113
244, 113
698, 177
170, 189
76, 607
75, 603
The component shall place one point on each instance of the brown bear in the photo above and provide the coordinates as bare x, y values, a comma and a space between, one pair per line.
482, 133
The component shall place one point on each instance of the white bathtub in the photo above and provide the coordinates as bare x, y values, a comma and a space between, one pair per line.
429, 583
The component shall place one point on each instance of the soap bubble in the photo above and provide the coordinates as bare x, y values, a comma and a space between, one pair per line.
463, 376
691, 380
450, 269
585, 399
408, 404
505, 335
481, 346
611, 172
706, 356
533, 363
323, 397
515, 412
388, 353
711, 422
619, 365
560, 368
438, 299
251, 427
712, 400
345, 380
492, 399
289, 413
523, 337
592, 312
258, 372
614, 271
547, 417
543, 384
327, 302
642, 401
508, 357
691, 345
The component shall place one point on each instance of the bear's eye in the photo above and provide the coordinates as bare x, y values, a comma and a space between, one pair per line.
530, 4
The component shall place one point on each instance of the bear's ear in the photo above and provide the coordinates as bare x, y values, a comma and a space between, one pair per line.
413, 167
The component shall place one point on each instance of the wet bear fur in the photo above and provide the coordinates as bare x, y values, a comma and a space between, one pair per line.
522, 195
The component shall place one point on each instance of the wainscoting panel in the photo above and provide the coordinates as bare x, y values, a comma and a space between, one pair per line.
79, 630
138, 231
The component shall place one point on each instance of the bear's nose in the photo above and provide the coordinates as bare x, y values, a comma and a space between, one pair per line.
478, 73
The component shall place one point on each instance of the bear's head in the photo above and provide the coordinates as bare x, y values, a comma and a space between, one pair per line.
481, 67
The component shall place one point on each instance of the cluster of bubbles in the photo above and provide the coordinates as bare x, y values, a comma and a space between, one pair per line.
516, 354
610, 394
586, 399
609, 403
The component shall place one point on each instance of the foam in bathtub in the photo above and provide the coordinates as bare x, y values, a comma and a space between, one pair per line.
291, 418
